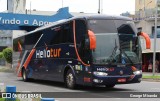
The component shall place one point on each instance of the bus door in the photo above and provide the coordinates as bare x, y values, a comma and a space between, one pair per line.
83, 53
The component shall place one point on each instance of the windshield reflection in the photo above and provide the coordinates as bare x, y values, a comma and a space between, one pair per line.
128, 48
115, 48
107, 46
116, 42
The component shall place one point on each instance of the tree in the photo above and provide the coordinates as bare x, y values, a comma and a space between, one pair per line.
1, 55
7, 53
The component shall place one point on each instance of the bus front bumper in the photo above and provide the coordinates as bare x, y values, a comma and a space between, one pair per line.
110, 80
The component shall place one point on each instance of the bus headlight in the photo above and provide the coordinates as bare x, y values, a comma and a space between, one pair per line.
137, 72
100, 73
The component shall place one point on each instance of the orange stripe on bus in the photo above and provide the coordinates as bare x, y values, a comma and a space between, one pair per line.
29, 58
74, 33
20, 74
19, 47
19, 62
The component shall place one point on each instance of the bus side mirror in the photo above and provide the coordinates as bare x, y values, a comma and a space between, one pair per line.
92, 40
147, 38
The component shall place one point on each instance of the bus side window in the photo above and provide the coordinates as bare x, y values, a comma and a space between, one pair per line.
63, 35
18, 43
68, 33
57, 38
31, 39
81, 30
124, 27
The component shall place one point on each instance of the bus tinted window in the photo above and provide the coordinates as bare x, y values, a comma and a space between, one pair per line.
81, 30
102, 26
31, 39
58, 37
68, 33
17, 43
50, 34
126, 27
63, 35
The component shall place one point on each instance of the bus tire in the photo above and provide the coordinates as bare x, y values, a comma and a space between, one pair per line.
110, 86
24, 75
70, 79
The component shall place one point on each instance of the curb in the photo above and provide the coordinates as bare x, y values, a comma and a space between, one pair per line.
151, 80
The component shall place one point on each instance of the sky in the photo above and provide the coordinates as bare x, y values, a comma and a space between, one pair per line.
3, 6
111, 7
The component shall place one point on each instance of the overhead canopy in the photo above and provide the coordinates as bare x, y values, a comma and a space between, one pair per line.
12, 21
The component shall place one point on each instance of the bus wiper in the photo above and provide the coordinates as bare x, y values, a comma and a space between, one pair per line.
113, 52
127, 56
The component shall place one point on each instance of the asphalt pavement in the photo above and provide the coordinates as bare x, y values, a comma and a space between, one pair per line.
118, 93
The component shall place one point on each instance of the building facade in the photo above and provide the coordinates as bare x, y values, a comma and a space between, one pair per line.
5, 38
145, 16
145, 21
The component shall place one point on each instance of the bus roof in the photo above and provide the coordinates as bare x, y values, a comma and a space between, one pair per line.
97, 16
106, 17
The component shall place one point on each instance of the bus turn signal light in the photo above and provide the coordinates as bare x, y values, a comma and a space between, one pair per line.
133, 68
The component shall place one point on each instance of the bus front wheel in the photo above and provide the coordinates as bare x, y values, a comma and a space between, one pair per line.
24, 75
70, 79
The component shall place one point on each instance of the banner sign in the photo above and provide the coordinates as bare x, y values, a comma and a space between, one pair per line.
11, 21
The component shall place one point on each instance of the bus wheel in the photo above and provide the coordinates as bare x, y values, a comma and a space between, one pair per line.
110, 86
24, 75
70, 79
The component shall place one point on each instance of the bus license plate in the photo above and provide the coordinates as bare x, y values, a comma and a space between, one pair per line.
122, 80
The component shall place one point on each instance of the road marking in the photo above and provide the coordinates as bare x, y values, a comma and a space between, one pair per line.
26, 91
117, 98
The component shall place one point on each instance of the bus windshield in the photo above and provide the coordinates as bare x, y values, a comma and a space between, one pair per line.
116, 42
128, 48
107, 45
